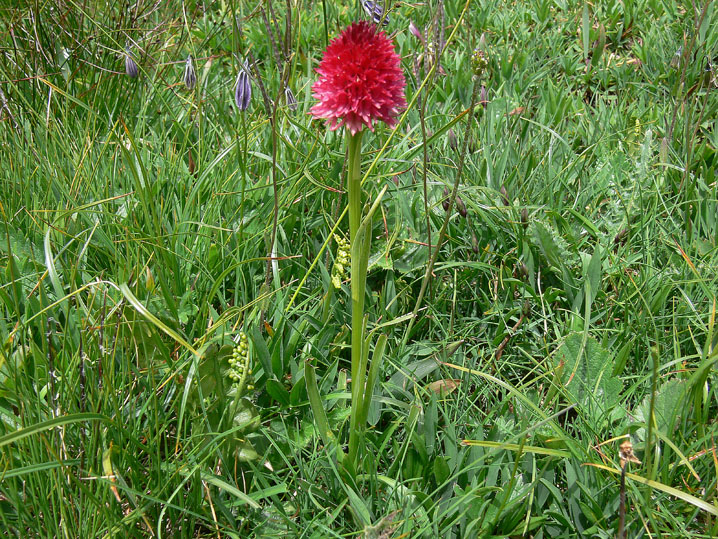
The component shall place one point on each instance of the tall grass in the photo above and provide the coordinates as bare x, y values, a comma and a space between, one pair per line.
146, 225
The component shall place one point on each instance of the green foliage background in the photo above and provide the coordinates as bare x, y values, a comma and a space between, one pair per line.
573, 305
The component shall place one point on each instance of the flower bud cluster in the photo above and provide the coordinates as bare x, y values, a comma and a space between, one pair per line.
341, 261
479, 62
239, 368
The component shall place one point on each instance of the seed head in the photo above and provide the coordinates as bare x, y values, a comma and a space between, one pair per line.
461, 207
524, 217
474, 242
505, 196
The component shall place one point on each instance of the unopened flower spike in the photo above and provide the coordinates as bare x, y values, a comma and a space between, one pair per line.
360, 81
376, 11
189, 78
243, 89
130, 65
240, 370
479, 62
416, 32
341, 262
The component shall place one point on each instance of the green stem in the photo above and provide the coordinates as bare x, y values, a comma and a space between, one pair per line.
243, 167
358, 282
649, 453
354, 183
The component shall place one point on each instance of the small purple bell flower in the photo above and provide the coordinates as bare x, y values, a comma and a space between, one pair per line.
243, 90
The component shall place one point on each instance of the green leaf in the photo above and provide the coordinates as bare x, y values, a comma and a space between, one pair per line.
357, 504
278, 392
18, 435
246, 416
230, 489
245, 452
260, 348
585, 30
139, 307
597, 51
298, 394
315, 401
593, 275
441, 470
668, 405
585, 371
547, 245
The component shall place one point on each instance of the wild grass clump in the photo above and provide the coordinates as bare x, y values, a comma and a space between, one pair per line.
181, 352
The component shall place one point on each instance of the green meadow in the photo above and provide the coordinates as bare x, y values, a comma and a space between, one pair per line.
541, 290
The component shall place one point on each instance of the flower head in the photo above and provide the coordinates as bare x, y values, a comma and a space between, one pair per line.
360, 80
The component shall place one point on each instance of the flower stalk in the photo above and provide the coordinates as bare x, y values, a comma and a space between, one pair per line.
358, 281
362, 381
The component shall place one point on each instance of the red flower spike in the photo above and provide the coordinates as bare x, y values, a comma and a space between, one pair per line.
360, 80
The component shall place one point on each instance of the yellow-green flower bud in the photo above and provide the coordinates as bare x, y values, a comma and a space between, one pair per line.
479, 62
340, 262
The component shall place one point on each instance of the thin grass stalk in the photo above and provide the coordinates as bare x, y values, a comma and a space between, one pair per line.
452, 198
243, 169
622, 503
272, 257
270, 33
355, 207
655, 356
425, 164
326, 25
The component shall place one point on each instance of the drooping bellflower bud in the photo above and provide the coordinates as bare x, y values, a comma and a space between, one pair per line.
130, 65
375, 11
417, 33
243, 90
189, 78
291, 100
